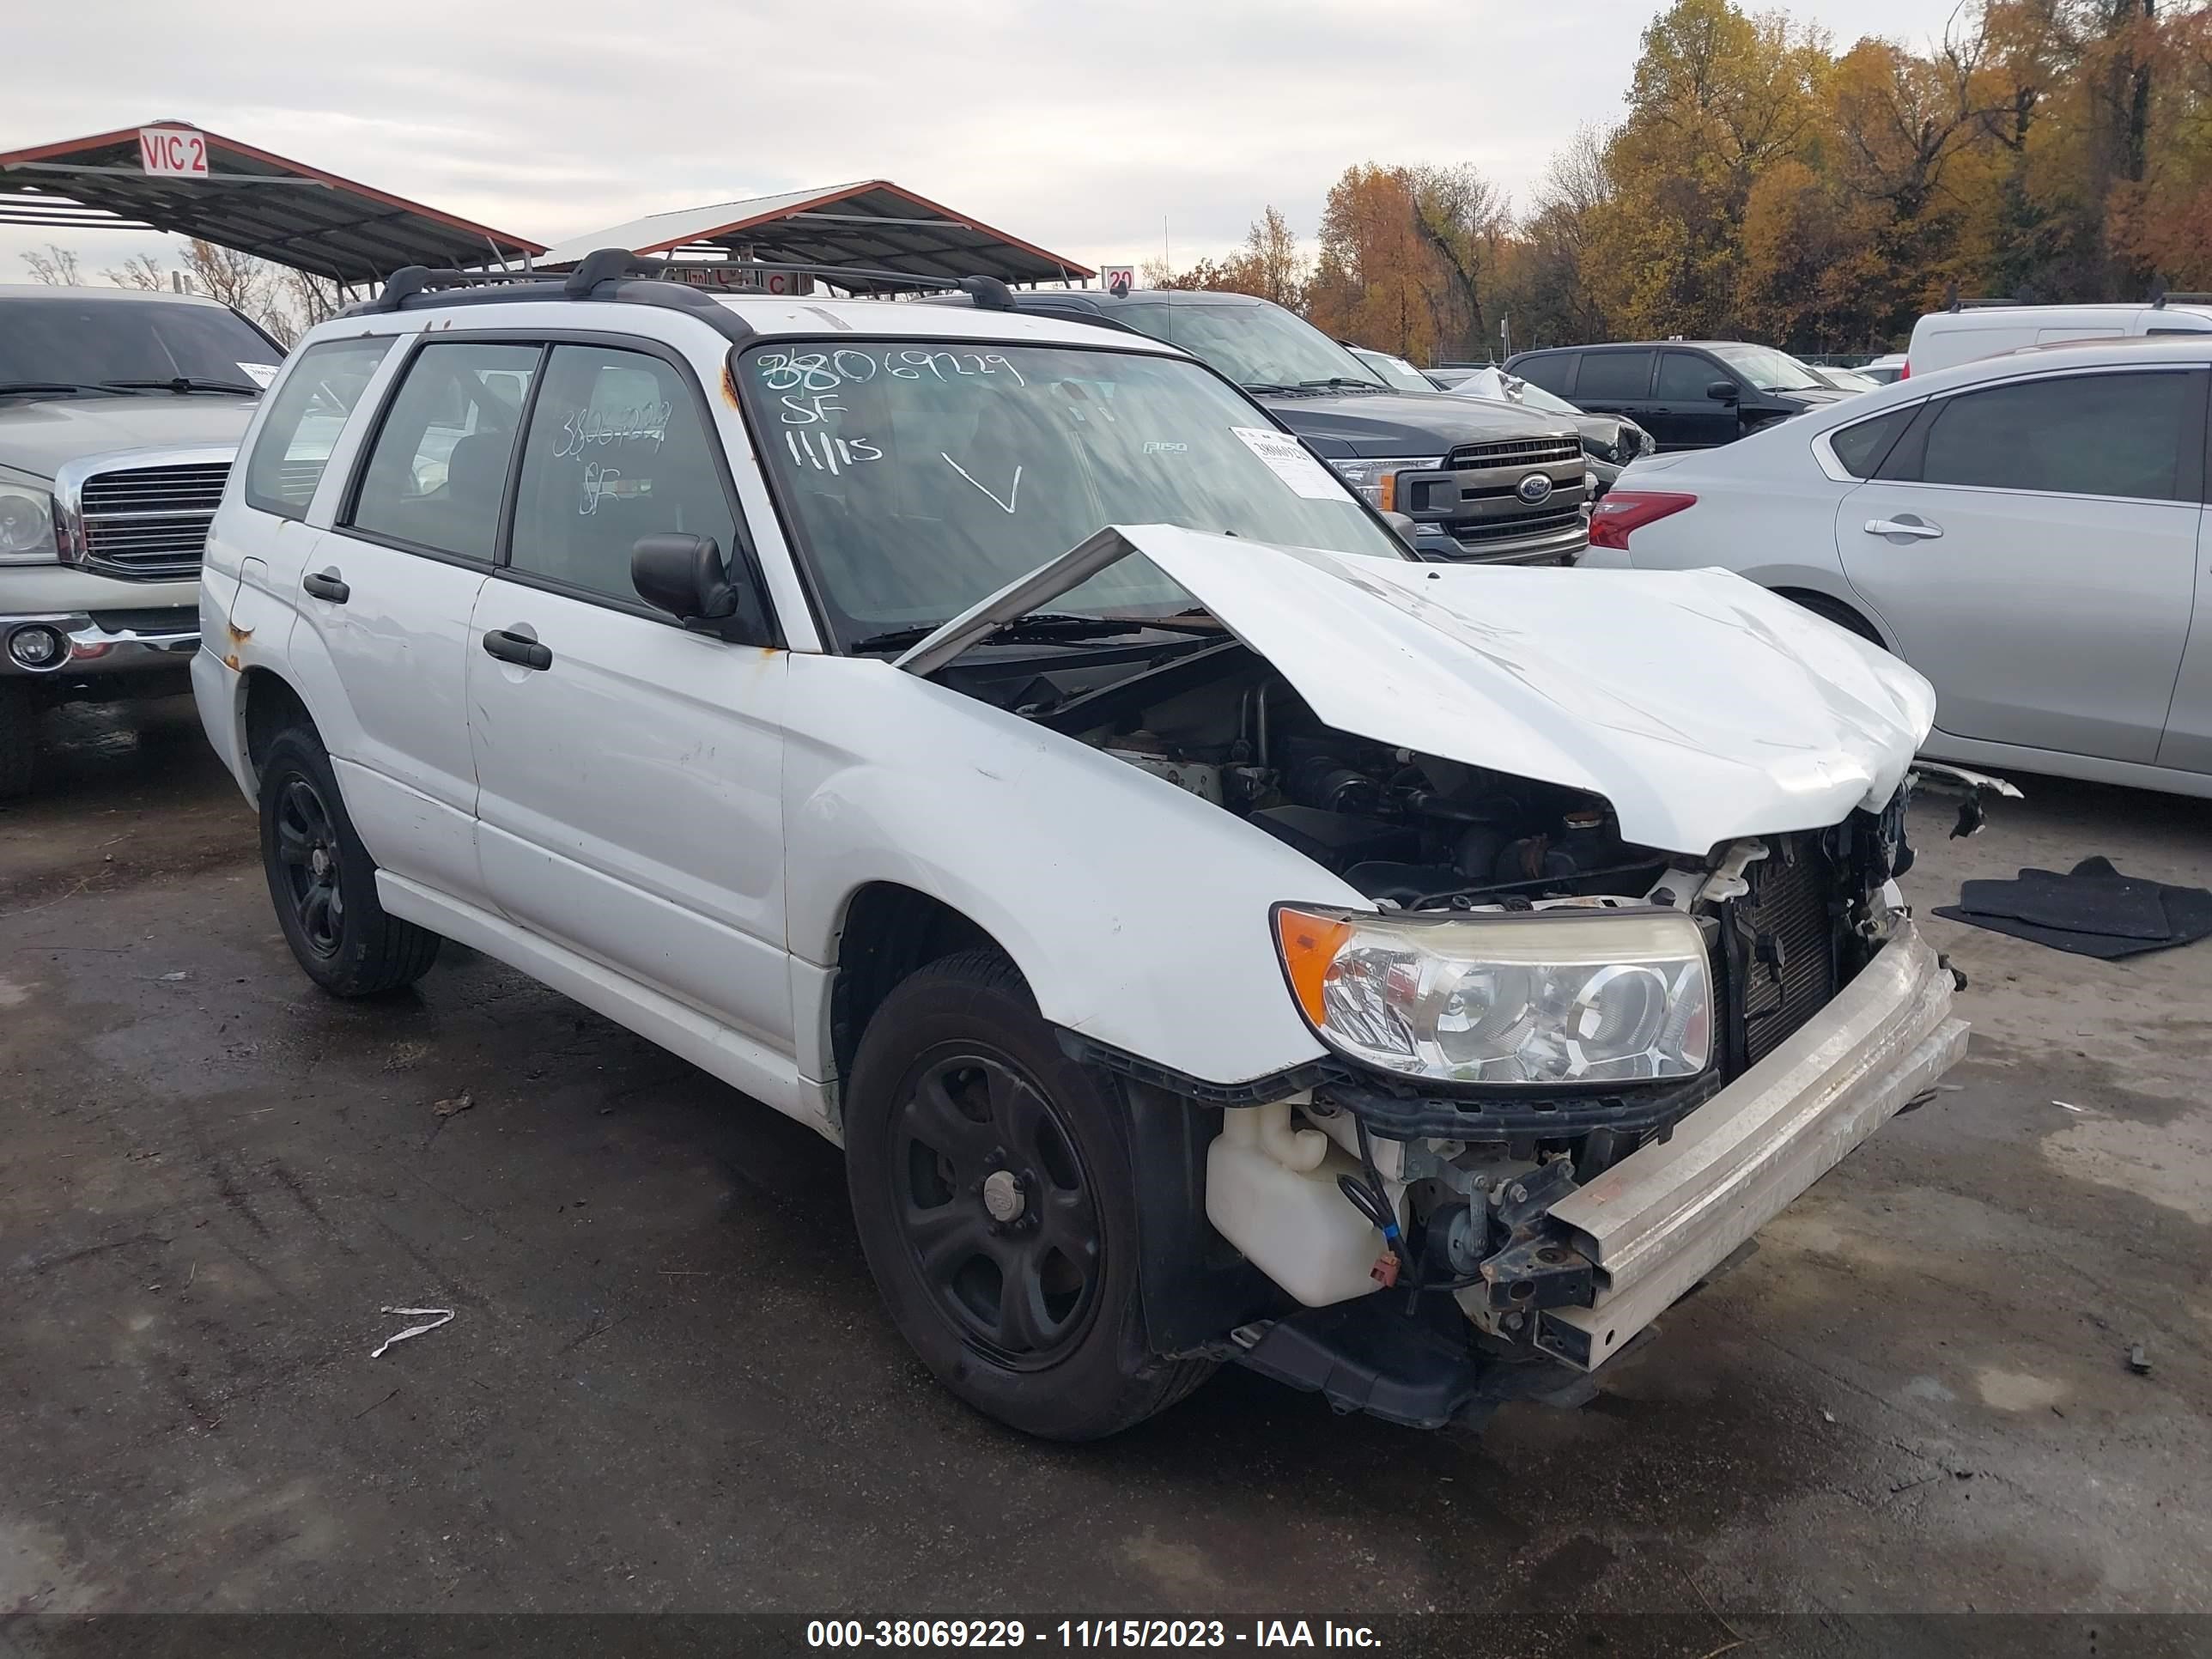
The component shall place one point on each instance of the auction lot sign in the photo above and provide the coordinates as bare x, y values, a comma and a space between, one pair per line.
172, 152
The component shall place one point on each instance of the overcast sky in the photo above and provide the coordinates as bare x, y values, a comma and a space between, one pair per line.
1079, 127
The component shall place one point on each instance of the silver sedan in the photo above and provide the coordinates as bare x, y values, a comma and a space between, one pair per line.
2027, 531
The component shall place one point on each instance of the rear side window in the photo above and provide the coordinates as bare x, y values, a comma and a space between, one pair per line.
438, 473
305, 418
618, 449
1862, 445
1614, 375
1554, 372
2091, 434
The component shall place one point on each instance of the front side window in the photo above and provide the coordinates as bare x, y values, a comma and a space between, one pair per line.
1614, 374
1256, 345
921, 478
438, 471
618, 449
1685, 378
305, 418
2090, 434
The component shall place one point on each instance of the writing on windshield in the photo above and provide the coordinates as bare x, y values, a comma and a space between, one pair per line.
921, 476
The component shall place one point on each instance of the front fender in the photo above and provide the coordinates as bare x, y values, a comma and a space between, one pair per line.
1138, 914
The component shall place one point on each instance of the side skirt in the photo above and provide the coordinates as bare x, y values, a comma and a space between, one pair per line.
714, 1048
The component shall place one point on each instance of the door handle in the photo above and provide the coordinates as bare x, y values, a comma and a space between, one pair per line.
510, 647
1907, 526
326, 584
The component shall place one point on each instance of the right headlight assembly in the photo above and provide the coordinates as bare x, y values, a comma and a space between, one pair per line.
27, 525
1565, 996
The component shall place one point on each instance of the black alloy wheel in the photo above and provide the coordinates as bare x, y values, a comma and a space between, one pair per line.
322, 881
995, 1206
995, 1196
306, 847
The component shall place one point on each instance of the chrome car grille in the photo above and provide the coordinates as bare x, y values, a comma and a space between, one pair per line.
1514, 452
1534, 522
149, 523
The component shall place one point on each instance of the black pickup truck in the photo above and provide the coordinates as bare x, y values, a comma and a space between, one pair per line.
1483, 484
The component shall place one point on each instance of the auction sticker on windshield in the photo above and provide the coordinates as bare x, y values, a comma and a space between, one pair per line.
1286, 457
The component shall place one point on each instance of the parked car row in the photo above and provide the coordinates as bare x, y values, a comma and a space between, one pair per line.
1080, 754
1482, 483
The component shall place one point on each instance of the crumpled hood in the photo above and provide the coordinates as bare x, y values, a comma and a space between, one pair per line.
1358, 424
1701, 706
37, 435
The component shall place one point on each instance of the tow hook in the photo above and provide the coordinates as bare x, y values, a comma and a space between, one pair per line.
1537, 1267
1539, 1272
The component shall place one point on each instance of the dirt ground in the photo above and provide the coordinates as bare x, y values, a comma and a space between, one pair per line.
667, 1383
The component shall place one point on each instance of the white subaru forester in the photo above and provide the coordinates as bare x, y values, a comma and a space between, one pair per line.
1211, 933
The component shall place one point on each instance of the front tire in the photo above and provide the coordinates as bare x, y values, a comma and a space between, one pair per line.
323, 883
996, 1204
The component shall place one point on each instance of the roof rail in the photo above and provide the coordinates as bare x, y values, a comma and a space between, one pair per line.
2160, 296
617, 274
1954, 303
606, 265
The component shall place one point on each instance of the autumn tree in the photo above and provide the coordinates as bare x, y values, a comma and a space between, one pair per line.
1719, 97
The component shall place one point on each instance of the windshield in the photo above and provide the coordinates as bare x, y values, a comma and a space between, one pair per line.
1395, 371
84, 341
1849, 379
919, 478
1770, 370
1254, 345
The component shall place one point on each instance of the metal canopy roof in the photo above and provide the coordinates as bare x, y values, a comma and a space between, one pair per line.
259, 204
874, 223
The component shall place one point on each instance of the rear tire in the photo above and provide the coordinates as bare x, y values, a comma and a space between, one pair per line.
19, 739
323, 882
996, 1204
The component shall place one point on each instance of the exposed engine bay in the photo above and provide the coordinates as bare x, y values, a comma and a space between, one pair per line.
1409, 831
1367, 1182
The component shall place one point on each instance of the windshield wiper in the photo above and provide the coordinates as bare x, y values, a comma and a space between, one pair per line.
1338, 383
70, 386
1266, 385
1043, 624
183, 383
1053, 625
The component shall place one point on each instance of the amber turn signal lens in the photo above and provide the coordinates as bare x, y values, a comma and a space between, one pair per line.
1308, 945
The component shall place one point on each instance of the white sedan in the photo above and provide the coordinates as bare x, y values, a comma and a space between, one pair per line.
2027, 531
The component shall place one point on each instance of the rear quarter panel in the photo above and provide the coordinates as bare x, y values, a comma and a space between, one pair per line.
1764, 510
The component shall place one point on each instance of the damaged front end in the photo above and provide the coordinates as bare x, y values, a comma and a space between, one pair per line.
1566, 1071
1543, 1230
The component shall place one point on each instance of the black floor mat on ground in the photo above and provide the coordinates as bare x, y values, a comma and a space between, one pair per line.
2093, 910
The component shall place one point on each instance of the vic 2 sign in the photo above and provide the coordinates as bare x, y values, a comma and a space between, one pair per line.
172, 152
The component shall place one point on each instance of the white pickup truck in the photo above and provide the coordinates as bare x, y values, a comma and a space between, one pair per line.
1212, 933
119, 414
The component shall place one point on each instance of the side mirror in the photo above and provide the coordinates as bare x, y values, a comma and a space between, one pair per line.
1408, 532
1722, 391
683, 575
